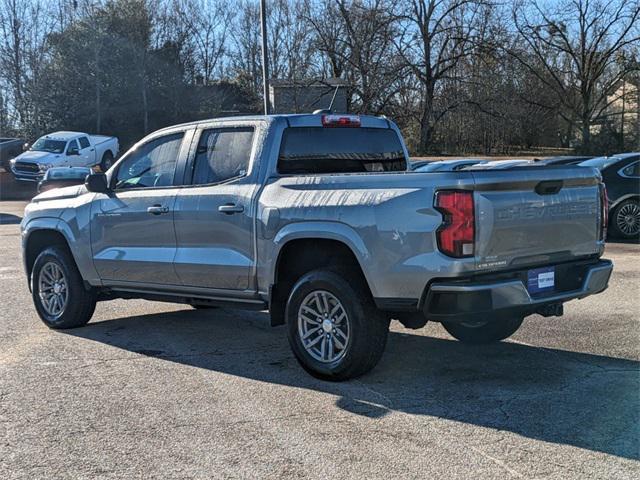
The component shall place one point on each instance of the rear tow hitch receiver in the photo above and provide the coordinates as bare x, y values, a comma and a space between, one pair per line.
551, 310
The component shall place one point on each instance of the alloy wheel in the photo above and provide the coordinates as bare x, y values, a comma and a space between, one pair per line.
323, 326
53, 289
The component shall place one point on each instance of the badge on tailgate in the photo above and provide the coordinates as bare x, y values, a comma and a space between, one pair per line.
541, 280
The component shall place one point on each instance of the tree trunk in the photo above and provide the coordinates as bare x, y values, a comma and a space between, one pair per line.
586, 136
98, 94
426, 127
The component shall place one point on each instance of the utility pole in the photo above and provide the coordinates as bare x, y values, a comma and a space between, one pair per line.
265, 58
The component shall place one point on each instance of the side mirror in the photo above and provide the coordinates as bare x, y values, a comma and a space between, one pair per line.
26, 147
97, 183
73, 151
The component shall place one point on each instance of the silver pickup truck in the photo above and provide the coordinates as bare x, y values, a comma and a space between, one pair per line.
316, 218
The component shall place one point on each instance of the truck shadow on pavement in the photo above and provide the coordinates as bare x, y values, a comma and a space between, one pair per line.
557, 396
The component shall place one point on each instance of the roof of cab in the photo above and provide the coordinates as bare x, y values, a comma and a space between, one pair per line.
64, 135
293, 119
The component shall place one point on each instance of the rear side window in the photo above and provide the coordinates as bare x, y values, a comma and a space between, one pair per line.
222, 154
632, 170
84, 142
312, 150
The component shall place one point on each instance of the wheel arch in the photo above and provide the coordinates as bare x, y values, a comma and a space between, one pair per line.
44, 232
313, 246
629, 196
37, 240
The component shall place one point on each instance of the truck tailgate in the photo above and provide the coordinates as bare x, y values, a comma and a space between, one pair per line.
536, 215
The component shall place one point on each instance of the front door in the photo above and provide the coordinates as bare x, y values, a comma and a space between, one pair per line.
213, 216
132, 231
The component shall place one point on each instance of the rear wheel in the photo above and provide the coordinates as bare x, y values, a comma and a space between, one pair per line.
334, 328
626, 219
58, 291
107, 161
483, 331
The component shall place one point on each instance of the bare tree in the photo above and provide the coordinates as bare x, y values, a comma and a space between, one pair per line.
24, 26
206, 24
574, 48
436, 36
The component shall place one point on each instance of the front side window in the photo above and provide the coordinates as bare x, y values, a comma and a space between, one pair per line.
222, 154
150, 165
72, 148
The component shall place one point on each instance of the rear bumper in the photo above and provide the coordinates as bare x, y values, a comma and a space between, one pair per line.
464, 301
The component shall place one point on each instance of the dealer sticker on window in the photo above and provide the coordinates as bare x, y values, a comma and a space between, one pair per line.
541, 279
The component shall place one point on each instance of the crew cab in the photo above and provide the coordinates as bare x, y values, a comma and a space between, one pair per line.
64, 149
316, 219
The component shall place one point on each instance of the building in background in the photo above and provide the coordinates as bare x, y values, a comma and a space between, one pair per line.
621, 117
301, 96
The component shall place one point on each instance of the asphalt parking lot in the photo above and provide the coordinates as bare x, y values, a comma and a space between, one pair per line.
151, 390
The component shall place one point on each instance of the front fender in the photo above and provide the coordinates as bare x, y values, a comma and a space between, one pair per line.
324, 230
80, 249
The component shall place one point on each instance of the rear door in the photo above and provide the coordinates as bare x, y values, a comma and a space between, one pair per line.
214, 214
535, 215
87, 152
132, 232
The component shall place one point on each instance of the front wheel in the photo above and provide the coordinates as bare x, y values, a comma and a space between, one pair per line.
58, 291
625, 221
107, 161
334, 329
483, 331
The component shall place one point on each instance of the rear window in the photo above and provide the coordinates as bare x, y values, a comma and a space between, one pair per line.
312, 150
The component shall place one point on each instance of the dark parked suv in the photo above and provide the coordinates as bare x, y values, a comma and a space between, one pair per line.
621, 175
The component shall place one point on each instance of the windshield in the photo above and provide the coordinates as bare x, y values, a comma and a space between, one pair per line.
600, 162
49, 145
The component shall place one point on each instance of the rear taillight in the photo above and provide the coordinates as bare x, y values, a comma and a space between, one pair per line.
341, 120
604, 211
456, 235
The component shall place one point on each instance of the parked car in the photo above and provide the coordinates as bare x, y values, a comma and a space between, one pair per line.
9, 148
64, 149
502, 164
57, 177
621, 175
316, 218
447, 165
564, 160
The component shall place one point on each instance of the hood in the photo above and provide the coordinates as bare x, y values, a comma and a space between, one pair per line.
37, 157
60, 193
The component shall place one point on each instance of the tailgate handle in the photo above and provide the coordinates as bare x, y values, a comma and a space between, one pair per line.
549, 187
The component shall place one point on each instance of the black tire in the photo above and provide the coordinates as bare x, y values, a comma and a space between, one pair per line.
106, 162
625, 220
481, 332
368, 327
80, 303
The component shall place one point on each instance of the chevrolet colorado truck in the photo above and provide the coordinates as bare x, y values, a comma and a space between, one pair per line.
316, 218
64, 149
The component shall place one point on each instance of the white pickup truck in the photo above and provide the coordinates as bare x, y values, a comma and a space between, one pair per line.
64, 149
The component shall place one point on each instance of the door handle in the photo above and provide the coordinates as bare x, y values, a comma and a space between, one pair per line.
230, 208
157, 210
